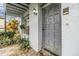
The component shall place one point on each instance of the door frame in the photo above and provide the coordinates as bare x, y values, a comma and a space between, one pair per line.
43, 29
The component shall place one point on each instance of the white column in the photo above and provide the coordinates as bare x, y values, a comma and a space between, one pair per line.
35, 35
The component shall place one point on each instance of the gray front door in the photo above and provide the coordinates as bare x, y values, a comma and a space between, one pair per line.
52, 28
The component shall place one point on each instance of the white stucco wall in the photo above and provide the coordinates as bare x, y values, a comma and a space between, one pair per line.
35, 34
70, 33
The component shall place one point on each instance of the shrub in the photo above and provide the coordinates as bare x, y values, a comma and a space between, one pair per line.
24, 43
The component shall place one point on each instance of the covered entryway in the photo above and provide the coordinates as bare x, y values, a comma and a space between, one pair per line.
52, 28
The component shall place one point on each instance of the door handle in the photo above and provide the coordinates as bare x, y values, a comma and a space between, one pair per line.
43, 29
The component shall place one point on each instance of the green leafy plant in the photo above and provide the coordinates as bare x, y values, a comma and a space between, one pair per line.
22, 26
6, 38
6, 41
24, 43
8, 34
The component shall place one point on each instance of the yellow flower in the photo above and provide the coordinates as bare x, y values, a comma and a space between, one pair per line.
8, 27
11, 30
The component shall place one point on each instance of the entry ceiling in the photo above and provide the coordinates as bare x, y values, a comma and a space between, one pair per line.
17, 8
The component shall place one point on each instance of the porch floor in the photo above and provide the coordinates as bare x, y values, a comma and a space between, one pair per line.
14, 50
